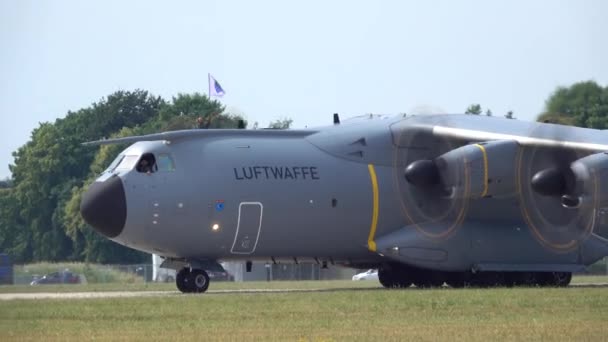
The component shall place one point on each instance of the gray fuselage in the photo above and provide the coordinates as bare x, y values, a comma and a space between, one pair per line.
336, 195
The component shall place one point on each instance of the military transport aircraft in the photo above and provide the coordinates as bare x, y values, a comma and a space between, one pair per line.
458, 199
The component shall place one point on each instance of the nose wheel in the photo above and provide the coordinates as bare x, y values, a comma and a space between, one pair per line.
192, 280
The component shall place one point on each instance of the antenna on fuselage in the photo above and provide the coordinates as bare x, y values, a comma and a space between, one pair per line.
336, 119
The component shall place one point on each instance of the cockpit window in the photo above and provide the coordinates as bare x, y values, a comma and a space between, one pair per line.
127, 162
165, 162
115, 163
147, 163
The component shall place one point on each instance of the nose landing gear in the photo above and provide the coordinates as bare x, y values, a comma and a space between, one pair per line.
192, 280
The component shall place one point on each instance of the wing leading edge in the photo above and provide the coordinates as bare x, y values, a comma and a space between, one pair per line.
477, 135
172, 136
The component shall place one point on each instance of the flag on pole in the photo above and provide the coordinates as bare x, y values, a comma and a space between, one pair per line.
215, 89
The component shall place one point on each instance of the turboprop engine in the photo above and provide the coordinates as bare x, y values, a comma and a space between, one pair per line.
581, 181
472, 171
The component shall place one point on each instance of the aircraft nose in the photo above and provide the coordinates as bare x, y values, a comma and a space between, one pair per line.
104, 206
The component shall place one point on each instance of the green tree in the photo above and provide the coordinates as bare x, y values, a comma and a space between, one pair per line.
6, 183
509, 115
583, 104
87, 244
474, 109
53, 162
283, 123
196, 110
488, 112
15, 239
39, 214
183, 112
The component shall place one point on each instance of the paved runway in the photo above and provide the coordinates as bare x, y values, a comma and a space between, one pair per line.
131, 294
128, 294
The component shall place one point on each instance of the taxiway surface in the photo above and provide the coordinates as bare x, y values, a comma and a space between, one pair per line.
131, 294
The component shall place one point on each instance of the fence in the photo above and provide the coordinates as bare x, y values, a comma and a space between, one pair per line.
58, 273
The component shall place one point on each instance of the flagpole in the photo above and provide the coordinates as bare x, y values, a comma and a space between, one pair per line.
210, 116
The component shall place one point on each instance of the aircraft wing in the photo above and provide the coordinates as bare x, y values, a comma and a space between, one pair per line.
173, 136
474, 128
477, 135
555, 173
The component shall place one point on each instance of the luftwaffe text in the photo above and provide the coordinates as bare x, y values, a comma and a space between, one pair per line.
277, 172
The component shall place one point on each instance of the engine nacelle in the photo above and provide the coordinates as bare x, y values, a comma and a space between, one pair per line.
485, 169
591, 174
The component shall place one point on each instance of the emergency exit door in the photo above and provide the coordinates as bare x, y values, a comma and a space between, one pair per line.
248, 227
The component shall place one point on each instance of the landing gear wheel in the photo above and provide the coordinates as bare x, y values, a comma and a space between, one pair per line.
512, 279
404, 279
428, 278
527, 279
488, 279
562, 279
457, 280
558, 279
395, 276
199, 281
544, 279
387, 278
183, 280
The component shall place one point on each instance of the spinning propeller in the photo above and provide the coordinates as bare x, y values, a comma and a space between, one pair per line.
558, 190
434, 198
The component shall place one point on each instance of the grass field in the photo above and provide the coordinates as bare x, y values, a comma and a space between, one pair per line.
345, 314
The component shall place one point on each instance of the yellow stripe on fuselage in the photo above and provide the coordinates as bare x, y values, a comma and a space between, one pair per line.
371, 244
485, 169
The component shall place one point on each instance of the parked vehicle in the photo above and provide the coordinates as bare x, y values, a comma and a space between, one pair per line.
221, 276
63, 277
370, 274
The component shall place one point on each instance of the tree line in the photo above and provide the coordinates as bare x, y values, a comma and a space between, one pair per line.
475, 109
39, 203
583, 104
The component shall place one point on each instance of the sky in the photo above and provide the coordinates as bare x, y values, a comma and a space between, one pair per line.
298, 59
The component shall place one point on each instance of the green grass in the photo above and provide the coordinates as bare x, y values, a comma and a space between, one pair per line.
590, 279
359, 314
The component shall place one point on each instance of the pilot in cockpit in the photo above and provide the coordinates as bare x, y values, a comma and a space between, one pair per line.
146, 164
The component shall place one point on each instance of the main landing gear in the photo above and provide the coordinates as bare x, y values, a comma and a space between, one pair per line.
403, 276
192, 280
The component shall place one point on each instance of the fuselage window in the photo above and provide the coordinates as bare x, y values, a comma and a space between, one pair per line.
127, 162
147, 163
165, 162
